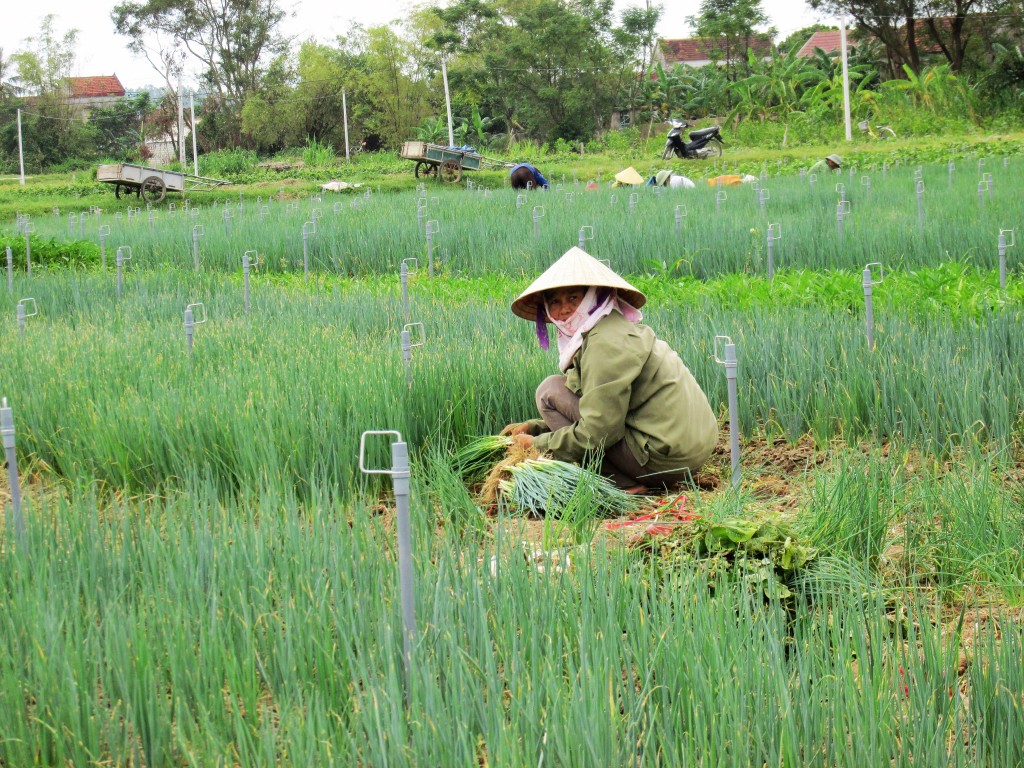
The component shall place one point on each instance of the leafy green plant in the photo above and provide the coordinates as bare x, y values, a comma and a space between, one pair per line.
764, 552
317, 154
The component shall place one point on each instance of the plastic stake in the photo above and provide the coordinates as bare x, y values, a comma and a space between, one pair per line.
308, 230
1003, 245
405, 272
432, 229
119, 260
729, 362
246, 266
191, 323
920, 203
28, 229
586, 233
10, 269
22, 314
400, 479
869, 314
7, 432
197, 232
538, 214
407, 347
103, 232
680, 213
774, 233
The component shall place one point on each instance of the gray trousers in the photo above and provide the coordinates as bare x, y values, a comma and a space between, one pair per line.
559, 407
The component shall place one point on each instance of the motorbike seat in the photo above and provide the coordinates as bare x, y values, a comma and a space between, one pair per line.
705, 132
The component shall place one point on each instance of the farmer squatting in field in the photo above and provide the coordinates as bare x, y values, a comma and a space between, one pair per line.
623, 391
525, 176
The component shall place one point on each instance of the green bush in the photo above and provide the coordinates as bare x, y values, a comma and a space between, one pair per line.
227, 162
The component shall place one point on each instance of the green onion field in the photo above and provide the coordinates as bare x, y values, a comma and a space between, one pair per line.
204, 576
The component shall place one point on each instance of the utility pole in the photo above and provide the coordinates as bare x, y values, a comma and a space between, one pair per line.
181, 126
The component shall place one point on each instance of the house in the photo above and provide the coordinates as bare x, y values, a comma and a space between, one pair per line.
88, 93
828, 40
698, 52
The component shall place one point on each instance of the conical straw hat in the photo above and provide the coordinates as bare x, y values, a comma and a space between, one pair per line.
629, 176
576, 267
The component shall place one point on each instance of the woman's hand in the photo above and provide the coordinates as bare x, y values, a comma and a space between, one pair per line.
516, 429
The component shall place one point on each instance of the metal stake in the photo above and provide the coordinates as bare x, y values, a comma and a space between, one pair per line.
400, 479
869, 314
7, 432
729, 361
10, 269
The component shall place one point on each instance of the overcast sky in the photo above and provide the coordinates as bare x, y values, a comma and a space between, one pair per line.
102, 52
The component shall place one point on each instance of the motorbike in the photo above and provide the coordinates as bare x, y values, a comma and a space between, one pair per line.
704, 143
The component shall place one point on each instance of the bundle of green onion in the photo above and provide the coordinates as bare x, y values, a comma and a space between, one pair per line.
476, 458
562, 489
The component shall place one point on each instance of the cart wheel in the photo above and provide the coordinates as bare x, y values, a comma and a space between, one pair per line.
424, 170
451, 171
153, 189
121, 190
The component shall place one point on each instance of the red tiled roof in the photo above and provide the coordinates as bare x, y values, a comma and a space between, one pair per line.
682, 50
95, 87
826, 39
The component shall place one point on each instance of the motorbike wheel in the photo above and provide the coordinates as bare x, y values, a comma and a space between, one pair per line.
667, 154
713, 149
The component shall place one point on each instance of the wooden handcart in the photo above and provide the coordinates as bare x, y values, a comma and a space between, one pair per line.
446, 163
151, 184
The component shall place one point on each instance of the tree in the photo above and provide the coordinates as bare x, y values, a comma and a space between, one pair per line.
50, 131
729, 26
545, 68
9, 87
635, 43
117, 130
904, 25
230, 38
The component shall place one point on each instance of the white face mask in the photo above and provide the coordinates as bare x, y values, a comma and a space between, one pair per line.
571, 324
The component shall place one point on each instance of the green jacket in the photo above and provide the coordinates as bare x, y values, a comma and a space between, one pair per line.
633, 384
